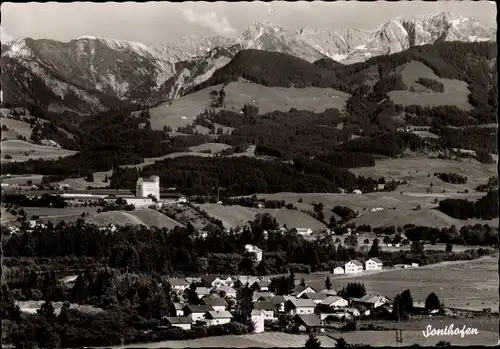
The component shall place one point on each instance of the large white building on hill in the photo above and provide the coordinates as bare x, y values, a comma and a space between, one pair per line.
148, 186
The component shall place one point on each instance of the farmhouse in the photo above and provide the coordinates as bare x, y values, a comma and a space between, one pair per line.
373, 264
258, 295
255, 250
227, 291
148, 186
370, 301
178, 284
353, 266
180, 322
258, 320
335, 302
245, 279
306, 322
219, 303
300, 306
338, 271
300, 290
261, 285
216, 281
213, 318
315, 297
267, 309
304, 231
357, 191
196, 312
177, 308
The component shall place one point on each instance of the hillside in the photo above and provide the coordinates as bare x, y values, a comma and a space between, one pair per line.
17, 150
144, 216
183, 111
273, 69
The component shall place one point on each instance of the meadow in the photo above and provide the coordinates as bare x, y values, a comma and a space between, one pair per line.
455, 91
140, 216
183, 111
22, 151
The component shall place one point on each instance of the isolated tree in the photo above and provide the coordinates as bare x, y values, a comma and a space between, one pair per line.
398, 309
302, 282
443, 344
432, 302
312, 342
353, 290
351, 241
328, 283
407, 301
375, 249
449, 248
387, 240
417, 247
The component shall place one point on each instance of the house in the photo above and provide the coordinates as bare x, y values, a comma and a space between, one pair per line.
258, 320
299, 306
180, 322
262, 285
178, 309
191, 280
178, 284
219, 303
245, 279
212, 281
69, 281
307, 322
196, 312
357, 191
353, 266
317, 297
338, 270
335, 302
255, 250
373, 264
300, 290
202, 291
304, 231
226, 291
267, 308
277, 301
371, 301
257, 295
414, 265
212, 318
329, 292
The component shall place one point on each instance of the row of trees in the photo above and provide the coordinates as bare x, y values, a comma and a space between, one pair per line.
484, 208
453, 178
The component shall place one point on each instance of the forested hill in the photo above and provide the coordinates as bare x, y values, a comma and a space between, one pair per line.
473, 63
273, 69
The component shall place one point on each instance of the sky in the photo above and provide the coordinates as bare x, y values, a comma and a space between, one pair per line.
154, 23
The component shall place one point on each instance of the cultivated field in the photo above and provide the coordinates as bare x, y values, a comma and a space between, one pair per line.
184, 110
22, 180
23, 151
232, 216
460, 284
56, 215
455, 91
184, 214
142, 216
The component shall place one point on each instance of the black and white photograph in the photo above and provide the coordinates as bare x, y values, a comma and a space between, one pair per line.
309, 174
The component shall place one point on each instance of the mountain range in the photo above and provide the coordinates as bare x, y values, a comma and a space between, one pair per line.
91, 74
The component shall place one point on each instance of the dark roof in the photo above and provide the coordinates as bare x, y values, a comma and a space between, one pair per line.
263, 283
264, 306
278, 299
208, 279
314, 296
302, 303
214, 301
217, 315
376, 260
178, 306
298, 289
308, 320
178, 282
177, 320
198, 308
356, 262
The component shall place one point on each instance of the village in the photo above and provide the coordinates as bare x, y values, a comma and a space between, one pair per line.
304, 309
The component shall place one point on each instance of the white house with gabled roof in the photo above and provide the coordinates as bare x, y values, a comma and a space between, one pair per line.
353, 266
373, 264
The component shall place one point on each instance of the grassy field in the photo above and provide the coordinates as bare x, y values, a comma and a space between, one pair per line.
284, 340
232, 216
47, 213
16, 128
461, 284
81, 184
455, 91
23, 151
183, 111
23, 179
184, 214
212, 147
144, 216
260, 340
